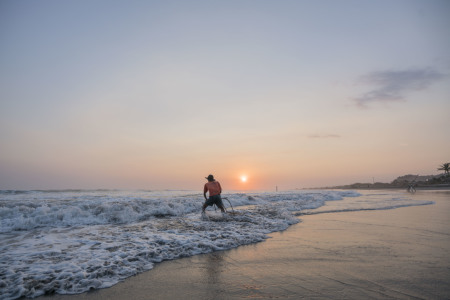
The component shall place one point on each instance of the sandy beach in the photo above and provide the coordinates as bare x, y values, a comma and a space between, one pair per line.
122, 121
385, 254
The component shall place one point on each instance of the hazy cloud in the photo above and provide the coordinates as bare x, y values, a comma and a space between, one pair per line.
323, 136
391, 86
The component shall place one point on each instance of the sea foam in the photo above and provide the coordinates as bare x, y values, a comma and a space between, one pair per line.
72, 241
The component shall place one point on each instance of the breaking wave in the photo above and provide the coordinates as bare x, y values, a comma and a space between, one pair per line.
72, 241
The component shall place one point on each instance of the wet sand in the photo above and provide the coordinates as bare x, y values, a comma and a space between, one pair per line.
392, 254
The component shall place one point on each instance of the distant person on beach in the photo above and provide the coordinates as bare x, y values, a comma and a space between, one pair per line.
214, 189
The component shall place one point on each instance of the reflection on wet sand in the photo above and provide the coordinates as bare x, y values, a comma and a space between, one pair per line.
391, 254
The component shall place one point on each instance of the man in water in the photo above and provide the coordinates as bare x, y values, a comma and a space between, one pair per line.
214, 189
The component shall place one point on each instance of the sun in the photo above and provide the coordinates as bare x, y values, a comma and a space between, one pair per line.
243, 178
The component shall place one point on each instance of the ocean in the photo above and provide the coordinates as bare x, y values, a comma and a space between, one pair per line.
72, 241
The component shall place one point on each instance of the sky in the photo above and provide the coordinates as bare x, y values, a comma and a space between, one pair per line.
159, 94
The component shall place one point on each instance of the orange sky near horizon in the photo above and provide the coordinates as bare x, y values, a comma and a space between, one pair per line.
157, 95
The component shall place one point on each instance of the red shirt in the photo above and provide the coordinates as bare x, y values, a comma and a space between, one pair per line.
213, 187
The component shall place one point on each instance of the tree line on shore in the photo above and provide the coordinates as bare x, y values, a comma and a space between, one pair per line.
440, 180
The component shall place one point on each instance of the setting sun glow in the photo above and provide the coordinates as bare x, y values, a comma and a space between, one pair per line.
171, 100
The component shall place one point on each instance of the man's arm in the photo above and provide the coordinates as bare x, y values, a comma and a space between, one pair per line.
220, 188
205, 189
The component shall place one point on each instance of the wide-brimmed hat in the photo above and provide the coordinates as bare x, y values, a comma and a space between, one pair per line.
210, 177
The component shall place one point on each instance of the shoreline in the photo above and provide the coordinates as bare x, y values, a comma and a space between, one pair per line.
445, 187
399, 253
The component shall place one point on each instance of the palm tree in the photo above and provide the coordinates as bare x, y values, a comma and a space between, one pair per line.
445, 167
